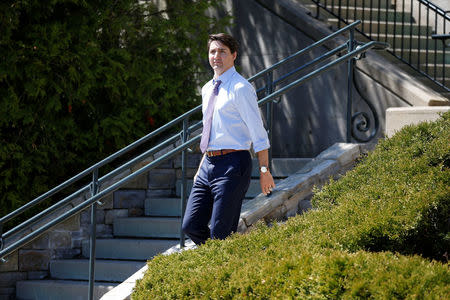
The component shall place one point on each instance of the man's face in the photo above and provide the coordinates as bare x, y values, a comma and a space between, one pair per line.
220, 57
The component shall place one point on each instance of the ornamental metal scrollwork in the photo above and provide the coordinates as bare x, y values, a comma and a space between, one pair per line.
361, 122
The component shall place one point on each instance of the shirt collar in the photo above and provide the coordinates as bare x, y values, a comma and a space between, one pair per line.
226, 75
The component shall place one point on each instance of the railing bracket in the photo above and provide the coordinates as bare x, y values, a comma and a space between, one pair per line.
362, 55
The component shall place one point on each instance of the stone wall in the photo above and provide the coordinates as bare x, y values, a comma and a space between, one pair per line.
65, 240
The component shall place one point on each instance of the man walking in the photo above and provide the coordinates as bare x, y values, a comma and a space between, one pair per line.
231, 123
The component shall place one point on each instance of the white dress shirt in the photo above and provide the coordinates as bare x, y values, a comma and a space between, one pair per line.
236, 122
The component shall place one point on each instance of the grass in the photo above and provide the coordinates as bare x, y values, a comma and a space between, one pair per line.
381, 231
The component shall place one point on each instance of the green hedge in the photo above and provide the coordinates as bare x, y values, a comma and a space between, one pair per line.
81, 79
371, 235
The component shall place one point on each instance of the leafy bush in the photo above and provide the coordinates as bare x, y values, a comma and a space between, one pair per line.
81, 79
368, 237
398, 199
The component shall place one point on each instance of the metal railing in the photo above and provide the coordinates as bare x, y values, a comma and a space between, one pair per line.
100, 188
407, 25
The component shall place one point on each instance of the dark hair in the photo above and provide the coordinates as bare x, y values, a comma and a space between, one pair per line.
225, 39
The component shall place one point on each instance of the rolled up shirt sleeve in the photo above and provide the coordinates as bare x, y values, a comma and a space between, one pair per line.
246, 99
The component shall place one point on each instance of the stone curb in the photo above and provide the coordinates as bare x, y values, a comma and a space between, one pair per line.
398, 117
285, 199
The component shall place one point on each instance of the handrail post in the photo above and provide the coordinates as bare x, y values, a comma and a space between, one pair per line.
94, 191
184, 138
350, 64
269, 113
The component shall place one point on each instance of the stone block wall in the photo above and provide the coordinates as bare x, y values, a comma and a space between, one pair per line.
65, 240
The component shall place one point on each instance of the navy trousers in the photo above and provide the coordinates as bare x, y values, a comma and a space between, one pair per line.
217, 196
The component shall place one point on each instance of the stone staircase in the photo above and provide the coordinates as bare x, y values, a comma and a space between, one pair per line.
136, 238
416, 36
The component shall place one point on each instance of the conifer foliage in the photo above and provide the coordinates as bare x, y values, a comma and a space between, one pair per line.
80, 79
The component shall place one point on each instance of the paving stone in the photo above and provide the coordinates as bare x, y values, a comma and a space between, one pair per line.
34, 260
129, 198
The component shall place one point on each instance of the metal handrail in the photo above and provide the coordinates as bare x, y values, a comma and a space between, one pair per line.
163, 128
95, 187
428, 58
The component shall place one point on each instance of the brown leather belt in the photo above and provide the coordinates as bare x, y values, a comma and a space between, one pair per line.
220, 152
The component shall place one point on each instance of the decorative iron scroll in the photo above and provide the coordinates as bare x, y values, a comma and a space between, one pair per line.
361, 122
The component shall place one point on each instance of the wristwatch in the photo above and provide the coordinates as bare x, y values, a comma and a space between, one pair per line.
263, 169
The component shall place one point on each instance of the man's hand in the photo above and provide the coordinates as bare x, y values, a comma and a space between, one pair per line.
266, 179
267, 183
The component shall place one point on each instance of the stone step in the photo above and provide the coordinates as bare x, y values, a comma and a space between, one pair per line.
433, 56
360, 13
391, 27
433, 70
414, 41
105, 270
59, 289
131, 249
168, 207
359, 3
147, 227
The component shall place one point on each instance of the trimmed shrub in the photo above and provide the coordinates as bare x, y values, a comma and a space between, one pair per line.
398, 198
370, 235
